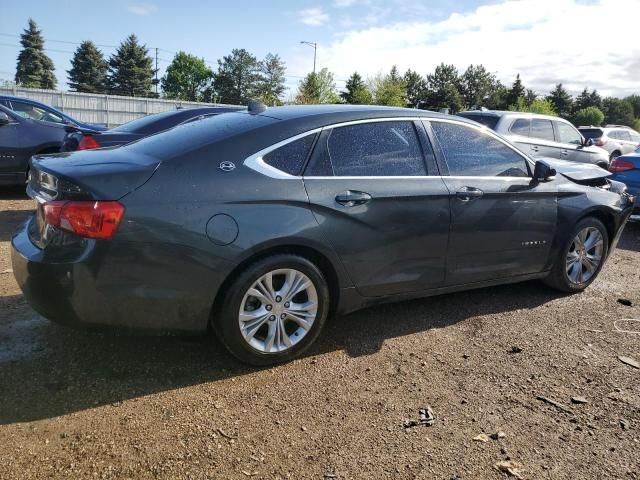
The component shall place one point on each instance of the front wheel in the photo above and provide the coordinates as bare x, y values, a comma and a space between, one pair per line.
273, 310
581, 258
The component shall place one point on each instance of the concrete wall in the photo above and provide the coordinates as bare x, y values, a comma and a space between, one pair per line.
110, 110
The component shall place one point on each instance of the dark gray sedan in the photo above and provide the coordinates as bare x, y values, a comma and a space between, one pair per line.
260, 224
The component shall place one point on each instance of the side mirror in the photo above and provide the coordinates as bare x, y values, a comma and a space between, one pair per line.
589, 142
4, 119
543, 172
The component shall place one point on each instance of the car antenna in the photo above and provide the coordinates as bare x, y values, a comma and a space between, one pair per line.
255, 107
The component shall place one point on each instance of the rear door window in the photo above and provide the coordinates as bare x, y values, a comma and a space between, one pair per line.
290, 158
568, 134
471, 152
521, 127
376, 149
624, 135
542, 129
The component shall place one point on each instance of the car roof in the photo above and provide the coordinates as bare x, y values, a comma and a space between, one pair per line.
510, 113
27, 100
316, 116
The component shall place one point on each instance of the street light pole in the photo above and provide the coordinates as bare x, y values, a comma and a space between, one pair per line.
315, 49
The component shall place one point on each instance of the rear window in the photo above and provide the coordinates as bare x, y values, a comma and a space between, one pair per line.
194, 135
591, 132
487, 120
143, 124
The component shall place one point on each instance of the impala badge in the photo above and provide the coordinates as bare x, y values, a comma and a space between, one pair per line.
227, 166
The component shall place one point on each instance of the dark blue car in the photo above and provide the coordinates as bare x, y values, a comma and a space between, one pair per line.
27, 108
626, 169
20, 139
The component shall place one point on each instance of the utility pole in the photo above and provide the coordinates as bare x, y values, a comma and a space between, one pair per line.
156, 72
315, 50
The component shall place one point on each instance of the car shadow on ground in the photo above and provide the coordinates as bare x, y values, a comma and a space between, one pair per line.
9, 221
13, 193
630, 240
56, 370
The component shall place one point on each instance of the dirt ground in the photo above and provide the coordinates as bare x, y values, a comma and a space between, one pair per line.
75, 404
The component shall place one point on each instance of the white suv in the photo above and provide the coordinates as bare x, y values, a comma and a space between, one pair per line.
542, 135
615, 139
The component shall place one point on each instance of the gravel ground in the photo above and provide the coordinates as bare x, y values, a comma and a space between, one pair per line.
75, 404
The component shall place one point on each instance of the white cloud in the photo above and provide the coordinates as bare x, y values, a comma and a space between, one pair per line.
314, 17
343, 3
143, 9
546, 41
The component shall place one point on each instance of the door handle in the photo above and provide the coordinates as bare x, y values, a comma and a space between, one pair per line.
351, 198
467, 194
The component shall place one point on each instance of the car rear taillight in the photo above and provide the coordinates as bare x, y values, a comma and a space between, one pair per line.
88, 142
600, 142
620, 165
89, 219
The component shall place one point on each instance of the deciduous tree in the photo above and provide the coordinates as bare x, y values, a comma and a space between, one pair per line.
186, 78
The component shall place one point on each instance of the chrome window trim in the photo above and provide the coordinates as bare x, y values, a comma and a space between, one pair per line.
257, 163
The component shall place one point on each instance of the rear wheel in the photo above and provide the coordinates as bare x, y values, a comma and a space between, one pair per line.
614, 155
273, 311
581, 258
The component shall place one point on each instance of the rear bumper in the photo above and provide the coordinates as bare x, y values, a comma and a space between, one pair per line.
154, 288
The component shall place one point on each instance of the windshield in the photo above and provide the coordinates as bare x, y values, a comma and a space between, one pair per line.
591, 132
139, 124
487, 120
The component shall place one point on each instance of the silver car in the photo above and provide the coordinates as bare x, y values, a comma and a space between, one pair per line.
542, 135
615, 139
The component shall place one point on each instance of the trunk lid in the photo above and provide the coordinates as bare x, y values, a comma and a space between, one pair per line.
104, 174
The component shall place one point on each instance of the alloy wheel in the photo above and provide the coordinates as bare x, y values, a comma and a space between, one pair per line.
584, 255
278, 310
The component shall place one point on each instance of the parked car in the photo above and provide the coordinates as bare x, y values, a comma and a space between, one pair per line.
259, 224
541, 136
28, 108
86, 139
20, 138
615, 139
626, 169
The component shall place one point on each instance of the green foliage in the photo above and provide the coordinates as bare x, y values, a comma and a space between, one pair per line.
530, 97
477, 86
34, 68
636, 125
586, 99
271, 84
588, 116
618, 111
443, 89
356, 92
517, 90
186, 78
130, 69
497, 99
237, 78
416, 88
540, 105
389, 90
634, 100
88, 69
561, 100
317, 88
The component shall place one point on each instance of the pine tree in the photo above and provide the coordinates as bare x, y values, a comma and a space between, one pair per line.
271, 84
443, 89
130, 69
416, 88
34, 69
477, 85
561, 100
517, 91
238, 76
356, 92
88, 69
317, 88
186, 78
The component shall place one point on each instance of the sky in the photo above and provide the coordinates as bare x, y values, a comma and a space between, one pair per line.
580, 43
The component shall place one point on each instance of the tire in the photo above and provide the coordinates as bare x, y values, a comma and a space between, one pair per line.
614, 155
575, 277
267, 315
